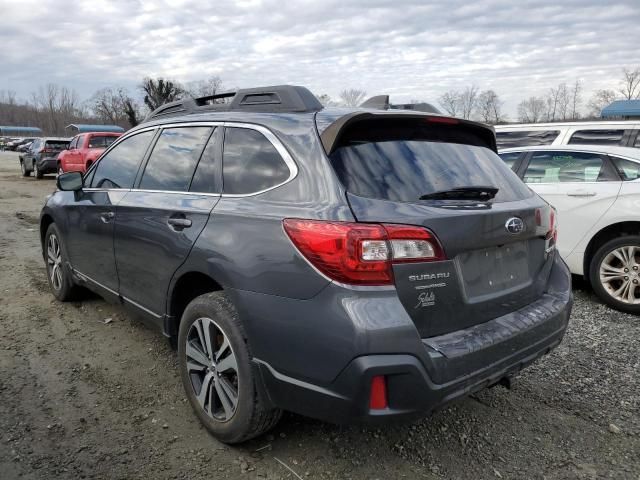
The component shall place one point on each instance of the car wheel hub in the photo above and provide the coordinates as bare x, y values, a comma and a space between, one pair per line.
619, 274
54, 262
213, 369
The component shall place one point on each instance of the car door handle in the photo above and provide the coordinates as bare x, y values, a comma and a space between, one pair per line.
179, 223
581, 193
106, 217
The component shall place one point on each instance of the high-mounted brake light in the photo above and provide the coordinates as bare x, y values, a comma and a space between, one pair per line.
446, 120
361, 253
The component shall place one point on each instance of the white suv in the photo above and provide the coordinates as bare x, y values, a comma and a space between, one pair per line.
596, 191
623, 134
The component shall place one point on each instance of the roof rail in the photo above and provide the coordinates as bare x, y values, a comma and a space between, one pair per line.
381, 102
276, 99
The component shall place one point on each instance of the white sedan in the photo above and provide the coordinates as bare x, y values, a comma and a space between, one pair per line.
596, 191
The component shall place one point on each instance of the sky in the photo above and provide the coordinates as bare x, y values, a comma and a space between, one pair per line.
409, 49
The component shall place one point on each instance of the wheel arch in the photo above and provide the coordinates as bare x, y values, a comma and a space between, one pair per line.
45, 221
607, 233
187, 286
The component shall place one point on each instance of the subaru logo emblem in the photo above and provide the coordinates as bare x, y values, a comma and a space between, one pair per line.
514, 225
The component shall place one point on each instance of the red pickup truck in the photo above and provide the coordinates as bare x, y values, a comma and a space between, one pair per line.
83, 150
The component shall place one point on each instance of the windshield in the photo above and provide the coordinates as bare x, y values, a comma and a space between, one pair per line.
405, 170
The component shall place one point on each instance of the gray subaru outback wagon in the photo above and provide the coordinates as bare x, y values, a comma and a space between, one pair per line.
345, 264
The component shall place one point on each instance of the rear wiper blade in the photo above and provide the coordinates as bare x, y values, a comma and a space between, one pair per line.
462, 193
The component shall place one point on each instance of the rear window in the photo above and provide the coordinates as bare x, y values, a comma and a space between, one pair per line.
597, 137
385, 163
526, 138
627, 169
102, 141
56, 144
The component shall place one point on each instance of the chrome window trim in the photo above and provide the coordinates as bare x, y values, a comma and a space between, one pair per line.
275, 141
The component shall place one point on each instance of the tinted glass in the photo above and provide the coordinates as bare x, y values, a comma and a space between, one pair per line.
73, 143
627, 169
510, 158
118, 168
56, 144
404, 170
523, 139
562, 167
597, 137
174, 159
100, 142
251, 163
637, 142
207, 176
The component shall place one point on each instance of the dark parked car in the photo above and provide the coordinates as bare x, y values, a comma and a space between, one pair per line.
346, 264
41, 156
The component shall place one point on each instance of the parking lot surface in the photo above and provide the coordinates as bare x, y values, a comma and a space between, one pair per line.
86, 391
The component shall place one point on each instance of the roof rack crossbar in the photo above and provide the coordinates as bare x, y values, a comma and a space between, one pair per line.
276, 99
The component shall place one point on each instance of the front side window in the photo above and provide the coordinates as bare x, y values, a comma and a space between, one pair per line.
118, 168
525, 138
627, 169
510, 158
174, 159
564, 167
250, 162
597, 137
73, 143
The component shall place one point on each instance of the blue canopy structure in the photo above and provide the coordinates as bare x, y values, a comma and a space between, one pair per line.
20, 131
622, 108
84, 128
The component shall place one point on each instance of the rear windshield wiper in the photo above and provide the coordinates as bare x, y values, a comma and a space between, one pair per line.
462, 193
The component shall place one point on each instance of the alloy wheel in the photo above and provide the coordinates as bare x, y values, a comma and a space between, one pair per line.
54, 262
620, 274
213, 369
60, 170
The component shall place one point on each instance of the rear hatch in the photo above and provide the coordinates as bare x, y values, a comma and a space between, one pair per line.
444, 174
53, 147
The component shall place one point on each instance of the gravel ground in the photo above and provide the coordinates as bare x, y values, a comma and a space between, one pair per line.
85, 398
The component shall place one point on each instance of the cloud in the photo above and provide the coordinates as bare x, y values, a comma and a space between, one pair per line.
409, 49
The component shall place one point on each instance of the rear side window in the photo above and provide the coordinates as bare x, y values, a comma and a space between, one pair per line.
174, 157
250, 162
637, 142
118, 168
627, 169
563, 167
510, 158
207, 178
597, 137
100, 141
400, 163
526, 138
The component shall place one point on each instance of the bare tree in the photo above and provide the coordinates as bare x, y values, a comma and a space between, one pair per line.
352, 97
630, 85
160, 91
468, 100
558, 102
532, 110
576, 100
599, 100
107, 104
325, 100
204, 88
450, 102
489, 106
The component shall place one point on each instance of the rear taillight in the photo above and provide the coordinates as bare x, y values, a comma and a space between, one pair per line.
547, 219
46, 150
361, 253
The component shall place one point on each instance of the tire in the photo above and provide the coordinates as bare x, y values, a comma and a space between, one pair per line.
23, 169
214, 316
616, 287
60, 280
36, 171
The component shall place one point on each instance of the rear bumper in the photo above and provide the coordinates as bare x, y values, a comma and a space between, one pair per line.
446, 368
48, 165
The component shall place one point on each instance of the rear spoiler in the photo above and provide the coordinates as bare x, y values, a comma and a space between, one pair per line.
381, 102
331, 136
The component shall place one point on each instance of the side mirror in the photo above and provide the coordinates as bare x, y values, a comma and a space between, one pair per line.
70, 181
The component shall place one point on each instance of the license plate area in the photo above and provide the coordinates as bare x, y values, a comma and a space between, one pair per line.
494, 270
